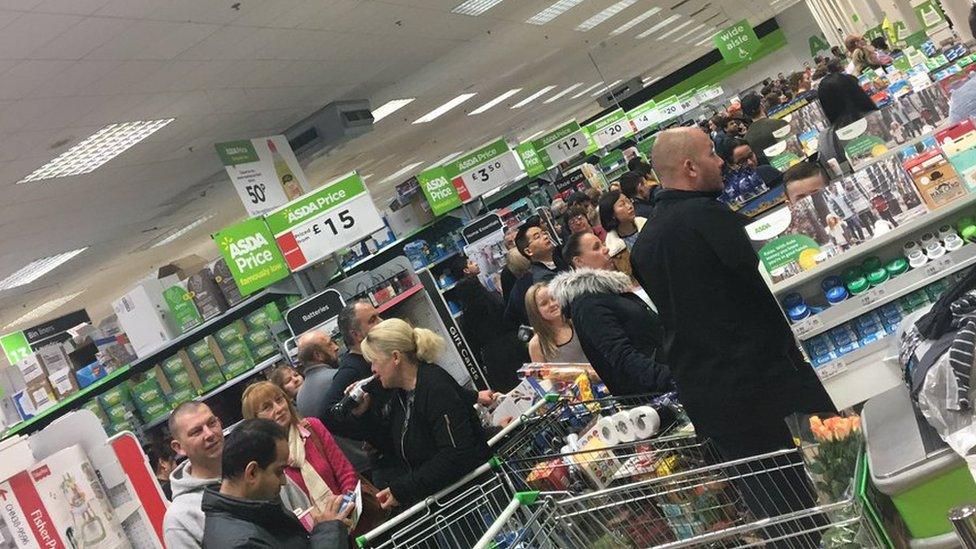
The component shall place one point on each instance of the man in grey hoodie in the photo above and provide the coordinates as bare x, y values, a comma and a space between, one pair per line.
198, 435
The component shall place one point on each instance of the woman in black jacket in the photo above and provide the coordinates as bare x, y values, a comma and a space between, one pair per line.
434, 429
618, 331
493, 340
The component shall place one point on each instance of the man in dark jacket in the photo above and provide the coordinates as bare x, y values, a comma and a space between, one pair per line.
731, 351
634, 186
247, 513
760, 133
533, 242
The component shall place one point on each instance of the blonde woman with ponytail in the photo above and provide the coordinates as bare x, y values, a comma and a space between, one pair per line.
433, 426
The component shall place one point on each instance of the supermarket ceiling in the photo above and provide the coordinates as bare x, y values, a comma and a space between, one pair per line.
245, 68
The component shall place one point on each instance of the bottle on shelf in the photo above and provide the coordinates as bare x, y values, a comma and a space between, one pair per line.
285, 176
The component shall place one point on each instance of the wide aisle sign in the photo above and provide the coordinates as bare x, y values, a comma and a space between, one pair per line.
483, 170
440, 192
738, 42
562, 144
610, 128
325, 221
253, 258
264, 172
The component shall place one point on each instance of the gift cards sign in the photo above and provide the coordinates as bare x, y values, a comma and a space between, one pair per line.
325, 221
253, 258
264, 172
610, 128
483, 170
738, 42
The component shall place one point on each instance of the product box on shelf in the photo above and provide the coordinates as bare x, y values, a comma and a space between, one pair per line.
58, 367
236, 367
204, 349
31, 368
225, 281
230, 333
94, 407
148, 388
206, 294
263, 317
179, 396
118, 413
115, 396
23, 404
90, 374
182, 308
178, 367
257, 338
41, 394
936, 179
959, 145
264, 351
235, 350
145, 317
63, 382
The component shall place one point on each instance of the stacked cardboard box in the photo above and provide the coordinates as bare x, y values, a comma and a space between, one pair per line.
236, 354
205, 360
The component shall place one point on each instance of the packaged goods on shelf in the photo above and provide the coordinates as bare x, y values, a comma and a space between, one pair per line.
959, 144
143, 314
90, 374
935, 178
182, 308
206, 294
226, 283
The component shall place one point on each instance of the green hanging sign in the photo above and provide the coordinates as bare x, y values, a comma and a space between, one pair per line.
441, 194
818, 43
15, 346
254, 259
929, 14
738, 42
530, 160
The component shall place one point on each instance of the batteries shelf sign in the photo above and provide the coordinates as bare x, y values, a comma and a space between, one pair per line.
264, 171
325, 221
483, 170
738, 42
562, 144
610, 128
250, 252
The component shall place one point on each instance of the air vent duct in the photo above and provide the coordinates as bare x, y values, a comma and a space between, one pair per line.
329, 127
620, 92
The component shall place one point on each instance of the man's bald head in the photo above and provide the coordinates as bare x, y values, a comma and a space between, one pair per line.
685, 159
316, 347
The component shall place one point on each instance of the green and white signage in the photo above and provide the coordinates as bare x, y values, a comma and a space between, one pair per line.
565, 142
440, 192
929, 14
610, 128
708, 93
249, 249
483, 170
687, 101
738, 42
818, 44
264, 172
530, 160
667, 109
15, 346
643, 116
324, 221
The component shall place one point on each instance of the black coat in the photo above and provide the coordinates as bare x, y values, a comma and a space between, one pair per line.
493, 340
618, 332
237, 523
729, 347
515, 308
442, 439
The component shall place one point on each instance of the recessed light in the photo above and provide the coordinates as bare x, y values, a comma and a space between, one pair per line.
562, 93
177, 234
674, 30
587, 90
475, 7
605, 14
444, 108
658, 27
606, 88
555, 10
635, 21
495, 101
391, 107
44, 309
97, 149
401, 172
36, 269
533, 97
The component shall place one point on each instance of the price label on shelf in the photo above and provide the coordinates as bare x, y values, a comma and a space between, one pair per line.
610, 128
939, 265
831, 369
561, 144
644, 116
807, 325
484, 170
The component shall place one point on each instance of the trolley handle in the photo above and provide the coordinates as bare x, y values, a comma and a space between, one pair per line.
520, 499
548, 399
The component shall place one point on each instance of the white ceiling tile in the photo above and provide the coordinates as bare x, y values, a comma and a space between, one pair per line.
124, 76
31, 31
18, 81
169, 77
228, 42
133, 9
76, 7
76, 78
153, 40
81, 39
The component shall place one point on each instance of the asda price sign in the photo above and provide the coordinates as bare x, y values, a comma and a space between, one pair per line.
441, 194
644, 116
708, 93
324, 221
668, 109
483, 170
562, 144
530, 160
610, 128
249, 249
264, 171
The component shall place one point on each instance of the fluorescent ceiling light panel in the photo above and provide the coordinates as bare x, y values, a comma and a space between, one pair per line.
367, 176
562, 93
444, 108
97, 149
606, 88
658, 26
448, 158
558, 8
533, 97
586, 91
177, 234
703, 41
649, 81
36, 269
475, 7
495, 101
390, 107
689, 33
605, 14
635, 21
42, 310
401, 172
674, 30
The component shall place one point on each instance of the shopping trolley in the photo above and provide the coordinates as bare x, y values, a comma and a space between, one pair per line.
459, 514
762, 501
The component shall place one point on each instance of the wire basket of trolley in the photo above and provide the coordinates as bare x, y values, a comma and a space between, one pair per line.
761, 501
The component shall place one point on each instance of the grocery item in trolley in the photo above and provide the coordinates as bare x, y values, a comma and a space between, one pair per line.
762, 501
575, 381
